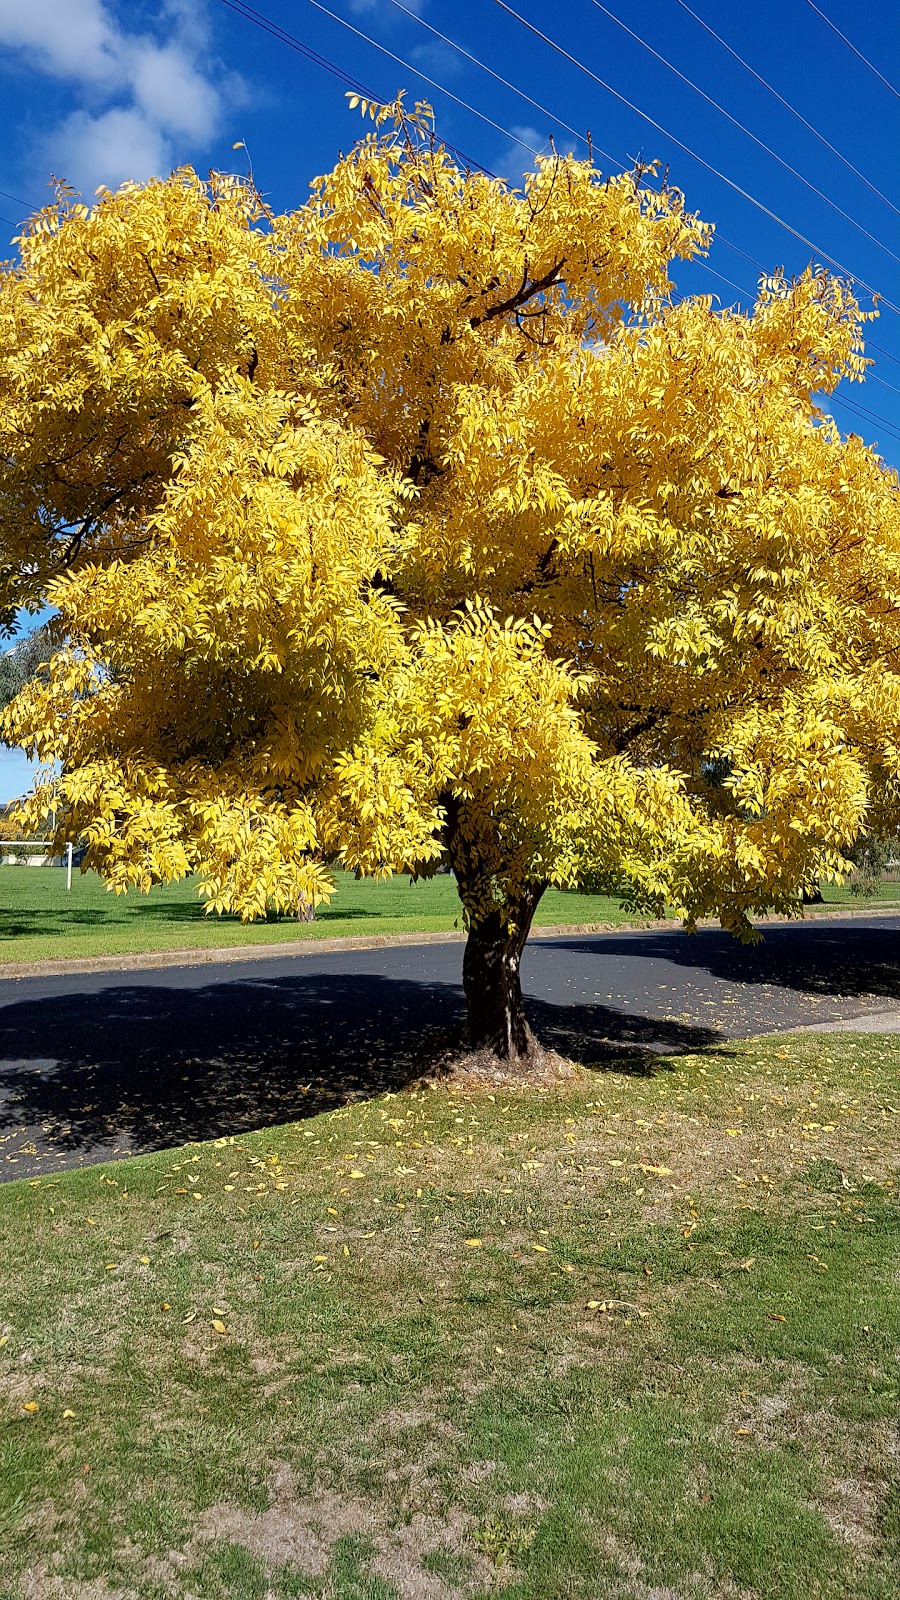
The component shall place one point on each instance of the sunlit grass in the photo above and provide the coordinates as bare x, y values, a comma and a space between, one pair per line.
635, 1335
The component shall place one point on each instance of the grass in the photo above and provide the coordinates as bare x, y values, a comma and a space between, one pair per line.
39, 919
635, 1338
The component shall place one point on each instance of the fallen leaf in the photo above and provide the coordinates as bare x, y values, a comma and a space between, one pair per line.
542, 1247
474, 1244
661, 1172
30, 1405
68, 1413
145, 1261
775, 1316
219, 1326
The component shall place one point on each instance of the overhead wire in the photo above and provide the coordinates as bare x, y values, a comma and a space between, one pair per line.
250, 14
787, 104
850, 46
820, 193
585, 139
408, 67
476, 60
694, 155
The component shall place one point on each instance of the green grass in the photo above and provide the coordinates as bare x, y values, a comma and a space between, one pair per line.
40, 919
633, 1337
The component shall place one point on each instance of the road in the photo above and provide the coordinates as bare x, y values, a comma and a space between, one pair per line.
94, 1067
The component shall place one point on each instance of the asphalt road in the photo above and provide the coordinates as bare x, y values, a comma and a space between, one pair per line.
105, 1065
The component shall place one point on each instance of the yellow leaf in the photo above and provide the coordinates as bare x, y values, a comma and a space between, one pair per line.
30, 1405
68, 1413
219, 1326
474, 1244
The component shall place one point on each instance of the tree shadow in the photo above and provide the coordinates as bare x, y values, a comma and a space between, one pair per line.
116, 1068
840, 960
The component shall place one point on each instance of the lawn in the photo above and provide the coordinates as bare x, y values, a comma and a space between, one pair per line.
39, 919
632, 1338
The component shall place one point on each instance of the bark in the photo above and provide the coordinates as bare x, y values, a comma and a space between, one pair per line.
306, 911
495, 1013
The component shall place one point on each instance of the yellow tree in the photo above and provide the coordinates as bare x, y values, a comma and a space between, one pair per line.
423, 524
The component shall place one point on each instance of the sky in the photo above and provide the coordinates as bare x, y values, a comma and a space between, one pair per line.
98, 91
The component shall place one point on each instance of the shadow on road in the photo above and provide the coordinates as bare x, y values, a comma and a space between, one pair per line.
146, 1066
842, 960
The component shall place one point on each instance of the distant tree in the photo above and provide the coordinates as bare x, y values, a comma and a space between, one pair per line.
871, 855
21, 661
423, 524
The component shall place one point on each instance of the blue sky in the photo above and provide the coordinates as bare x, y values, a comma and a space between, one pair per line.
96, 92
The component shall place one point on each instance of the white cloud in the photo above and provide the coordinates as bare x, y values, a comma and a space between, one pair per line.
518, 157
171, 92
144, 97
72, 38
120, 143
362, 8
437, 58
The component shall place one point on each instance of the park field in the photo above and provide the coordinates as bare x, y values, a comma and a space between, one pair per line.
40, 920
632, 1336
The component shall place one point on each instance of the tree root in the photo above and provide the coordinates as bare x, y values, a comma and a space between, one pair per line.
450, 1064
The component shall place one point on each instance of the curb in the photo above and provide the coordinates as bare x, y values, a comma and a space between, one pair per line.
220, 955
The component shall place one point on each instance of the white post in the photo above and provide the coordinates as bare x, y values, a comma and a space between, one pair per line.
69, 865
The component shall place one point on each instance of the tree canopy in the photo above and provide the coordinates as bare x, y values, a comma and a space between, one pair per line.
425, 522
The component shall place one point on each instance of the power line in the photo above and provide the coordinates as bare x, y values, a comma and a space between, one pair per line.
408, 67
251, 15
18, 201
736, 124
866, 63
476, 60
861, 411
760, 206
293, 43
787, 105
558, 122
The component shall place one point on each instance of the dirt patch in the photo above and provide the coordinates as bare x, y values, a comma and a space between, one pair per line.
38, 1584
302, 1533
851, 1510
401, 1554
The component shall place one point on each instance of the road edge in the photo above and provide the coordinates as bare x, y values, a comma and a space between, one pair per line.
221, 955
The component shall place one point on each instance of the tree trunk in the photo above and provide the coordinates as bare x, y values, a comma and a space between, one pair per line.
306, 911
495, 1014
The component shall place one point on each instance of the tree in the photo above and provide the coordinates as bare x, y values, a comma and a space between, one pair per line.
424, 523
20, 663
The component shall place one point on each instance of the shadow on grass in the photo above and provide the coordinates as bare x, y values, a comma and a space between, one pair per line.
119, 1067
42, 924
